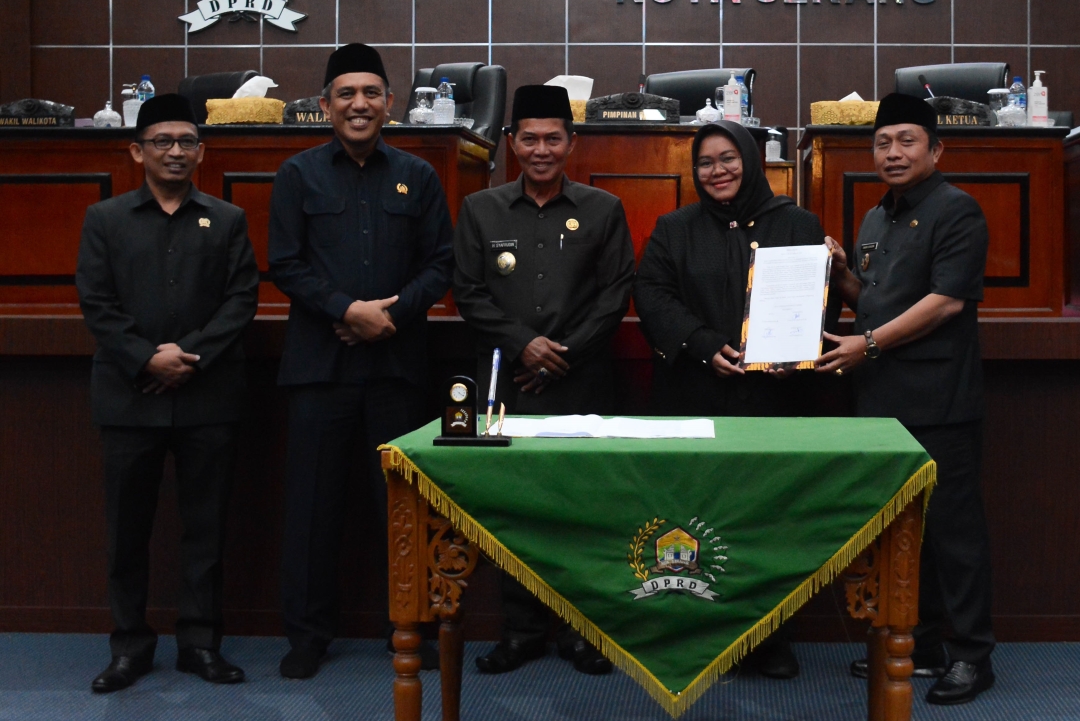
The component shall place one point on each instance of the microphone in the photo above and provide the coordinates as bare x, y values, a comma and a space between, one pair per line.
926, 84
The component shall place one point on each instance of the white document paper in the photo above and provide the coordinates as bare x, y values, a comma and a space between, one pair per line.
597, 427
786, 304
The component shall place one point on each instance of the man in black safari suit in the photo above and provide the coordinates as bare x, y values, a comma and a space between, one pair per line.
360, 241
916, 284
167, 283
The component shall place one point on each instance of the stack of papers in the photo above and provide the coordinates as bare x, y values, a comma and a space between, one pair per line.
597, 427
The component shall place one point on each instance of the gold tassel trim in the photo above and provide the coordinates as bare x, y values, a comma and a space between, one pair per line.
675, 704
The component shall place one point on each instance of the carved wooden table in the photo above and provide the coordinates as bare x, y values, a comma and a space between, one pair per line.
430, 562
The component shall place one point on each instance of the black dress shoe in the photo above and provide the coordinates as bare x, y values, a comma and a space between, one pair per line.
429, 655
774, 660
509, 654
121, 673
961, 683
586, 658
300, 663
928, 664
208, 665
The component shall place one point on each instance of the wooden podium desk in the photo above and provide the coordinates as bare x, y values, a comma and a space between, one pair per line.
48, 177
1016, 174
648, 166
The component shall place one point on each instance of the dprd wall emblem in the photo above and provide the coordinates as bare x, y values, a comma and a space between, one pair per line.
684, 557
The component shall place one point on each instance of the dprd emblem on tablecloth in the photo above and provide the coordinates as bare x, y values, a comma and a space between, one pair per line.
684, 558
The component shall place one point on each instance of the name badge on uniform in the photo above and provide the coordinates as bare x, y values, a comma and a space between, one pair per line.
866, 248
503, 245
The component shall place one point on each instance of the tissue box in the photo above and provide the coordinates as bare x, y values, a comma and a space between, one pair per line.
847, 112
221, 111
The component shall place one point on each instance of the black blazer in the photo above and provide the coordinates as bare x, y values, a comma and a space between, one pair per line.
146, 278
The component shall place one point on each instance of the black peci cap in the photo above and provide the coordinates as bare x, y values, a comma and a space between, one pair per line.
898, 109
541, 101
163, 109
354, 58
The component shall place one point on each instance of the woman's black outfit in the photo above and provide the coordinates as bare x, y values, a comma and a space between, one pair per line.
690, 292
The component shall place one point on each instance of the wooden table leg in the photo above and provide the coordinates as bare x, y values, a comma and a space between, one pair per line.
408, 694
451, 652
406, 589
429, 564
882, 585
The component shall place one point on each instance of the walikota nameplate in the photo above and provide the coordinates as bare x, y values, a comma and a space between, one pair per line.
305, 111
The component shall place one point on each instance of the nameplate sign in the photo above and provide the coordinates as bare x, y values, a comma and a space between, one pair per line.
305, 111
274, 12
651, 114
632, 108
959, 120
790, 2
8, 121
33, 113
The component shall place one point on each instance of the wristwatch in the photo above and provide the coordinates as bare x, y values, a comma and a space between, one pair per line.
873, 350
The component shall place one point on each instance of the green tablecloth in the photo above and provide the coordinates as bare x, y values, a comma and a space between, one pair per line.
676, 557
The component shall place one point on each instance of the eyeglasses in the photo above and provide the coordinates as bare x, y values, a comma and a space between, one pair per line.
729, 163
165, 142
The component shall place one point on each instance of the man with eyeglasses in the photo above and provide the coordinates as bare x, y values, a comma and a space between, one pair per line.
167, 283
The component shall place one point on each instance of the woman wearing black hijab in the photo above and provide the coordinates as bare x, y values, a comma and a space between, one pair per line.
691, 285
690, 293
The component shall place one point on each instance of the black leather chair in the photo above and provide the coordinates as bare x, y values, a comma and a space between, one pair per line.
200, 88
691, 87
969, 81
479, 93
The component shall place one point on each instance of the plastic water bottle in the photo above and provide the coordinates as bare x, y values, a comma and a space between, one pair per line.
1018, 94
744, 98
145, 91
444, 103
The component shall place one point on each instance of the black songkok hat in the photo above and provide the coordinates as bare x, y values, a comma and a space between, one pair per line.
354, 58
163, 109
897, 109
541, 101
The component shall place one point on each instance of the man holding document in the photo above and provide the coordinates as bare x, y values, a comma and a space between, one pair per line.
544, 267
917, 279
691, 297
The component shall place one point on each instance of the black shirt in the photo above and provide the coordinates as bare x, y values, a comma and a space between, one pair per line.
933, 239
146, 278
341, 232
574, 264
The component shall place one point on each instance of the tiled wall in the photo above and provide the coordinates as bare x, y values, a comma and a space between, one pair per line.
82, 52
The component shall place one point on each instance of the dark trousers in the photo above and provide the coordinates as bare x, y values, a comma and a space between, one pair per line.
333, 429
954, 582
134, 461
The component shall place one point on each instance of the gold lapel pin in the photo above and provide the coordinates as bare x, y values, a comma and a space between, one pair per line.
572, 224
402, 188
866, 261
914, 224
204, 222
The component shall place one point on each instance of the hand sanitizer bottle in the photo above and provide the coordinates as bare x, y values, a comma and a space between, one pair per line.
732, 100
1038, 103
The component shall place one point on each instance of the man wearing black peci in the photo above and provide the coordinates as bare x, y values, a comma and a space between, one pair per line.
917, 280
361, 242
544, 267
167, 283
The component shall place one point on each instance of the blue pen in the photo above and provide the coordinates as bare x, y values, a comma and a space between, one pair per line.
495, 357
